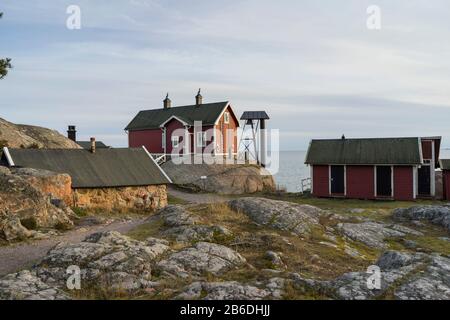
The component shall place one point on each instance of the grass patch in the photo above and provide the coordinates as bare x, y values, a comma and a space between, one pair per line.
146, 230
174, 200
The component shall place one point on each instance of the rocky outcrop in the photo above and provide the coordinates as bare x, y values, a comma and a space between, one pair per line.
24, 207
439, 215
220, 178
228, 290
282, 215
139, 199
25, 285
201, 259
403, 276
109, 260
25, 136
57, 185
372, 233
179, 224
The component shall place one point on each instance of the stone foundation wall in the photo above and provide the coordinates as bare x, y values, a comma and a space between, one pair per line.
149, 198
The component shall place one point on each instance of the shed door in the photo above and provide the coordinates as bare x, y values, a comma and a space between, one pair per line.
337, 180
384, 181
424, 181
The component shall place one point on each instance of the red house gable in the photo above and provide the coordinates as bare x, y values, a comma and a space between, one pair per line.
162, 130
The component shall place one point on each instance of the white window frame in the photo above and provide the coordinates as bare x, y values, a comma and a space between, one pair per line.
175, 141
201, 139
226, 117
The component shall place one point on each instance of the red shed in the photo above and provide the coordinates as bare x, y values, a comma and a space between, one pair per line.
169, 128
374, 168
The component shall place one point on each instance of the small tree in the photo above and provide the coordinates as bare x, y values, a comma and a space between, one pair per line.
5, 63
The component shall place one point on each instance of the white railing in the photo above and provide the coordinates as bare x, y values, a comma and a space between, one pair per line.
305, 185
160, 158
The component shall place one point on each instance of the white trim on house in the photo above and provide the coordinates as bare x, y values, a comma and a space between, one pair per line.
311, 169
345, 180
221, 114
329, 179
171, 118
159, 167
8, 157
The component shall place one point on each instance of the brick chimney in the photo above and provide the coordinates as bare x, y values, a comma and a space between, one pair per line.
93, 145
72, 133
198, 98
167, 102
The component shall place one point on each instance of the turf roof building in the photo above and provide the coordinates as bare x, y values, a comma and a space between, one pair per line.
168, 129
378, 168
106, 178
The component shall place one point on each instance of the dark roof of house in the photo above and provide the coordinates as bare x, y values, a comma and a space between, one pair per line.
401, 151
121, 167
444, 164
208, 113
254, 115
87, 144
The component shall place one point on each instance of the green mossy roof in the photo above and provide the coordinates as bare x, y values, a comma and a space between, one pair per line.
400, 151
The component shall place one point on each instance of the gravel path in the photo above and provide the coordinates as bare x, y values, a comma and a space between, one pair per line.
24, 255
197, 197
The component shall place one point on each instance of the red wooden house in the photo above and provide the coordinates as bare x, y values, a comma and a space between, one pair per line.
162, 130
378, 168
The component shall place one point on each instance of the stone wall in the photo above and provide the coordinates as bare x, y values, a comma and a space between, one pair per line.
148, 198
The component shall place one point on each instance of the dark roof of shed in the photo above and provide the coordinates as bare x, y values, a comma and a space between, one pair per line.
444, 164
87, 144
401, 151
208, 113
121, 167
254, 115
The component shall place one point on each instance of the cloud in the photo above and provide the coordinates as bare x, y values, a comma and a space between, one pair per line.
312, 65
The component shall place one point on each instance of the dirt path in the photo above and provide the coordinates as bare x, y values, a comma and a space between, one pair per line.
197, 197
24, 255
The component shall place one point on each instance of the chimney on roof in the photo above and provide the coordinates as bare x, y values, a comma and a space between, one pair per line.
72, 133
167, 102
92, 145
198, 98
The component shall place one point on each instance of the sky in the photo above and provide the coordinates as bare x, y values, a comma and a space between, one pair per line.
314, 66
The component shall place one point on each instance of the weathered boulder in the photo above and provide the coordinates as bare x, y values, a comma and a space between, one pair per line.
221, 178
25, 285
25, 136
21, 201
275, 259
372, 233
228, 290
55, 185
108, 259
282, 215
439, 215
202, 258
11, 229
180, 225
